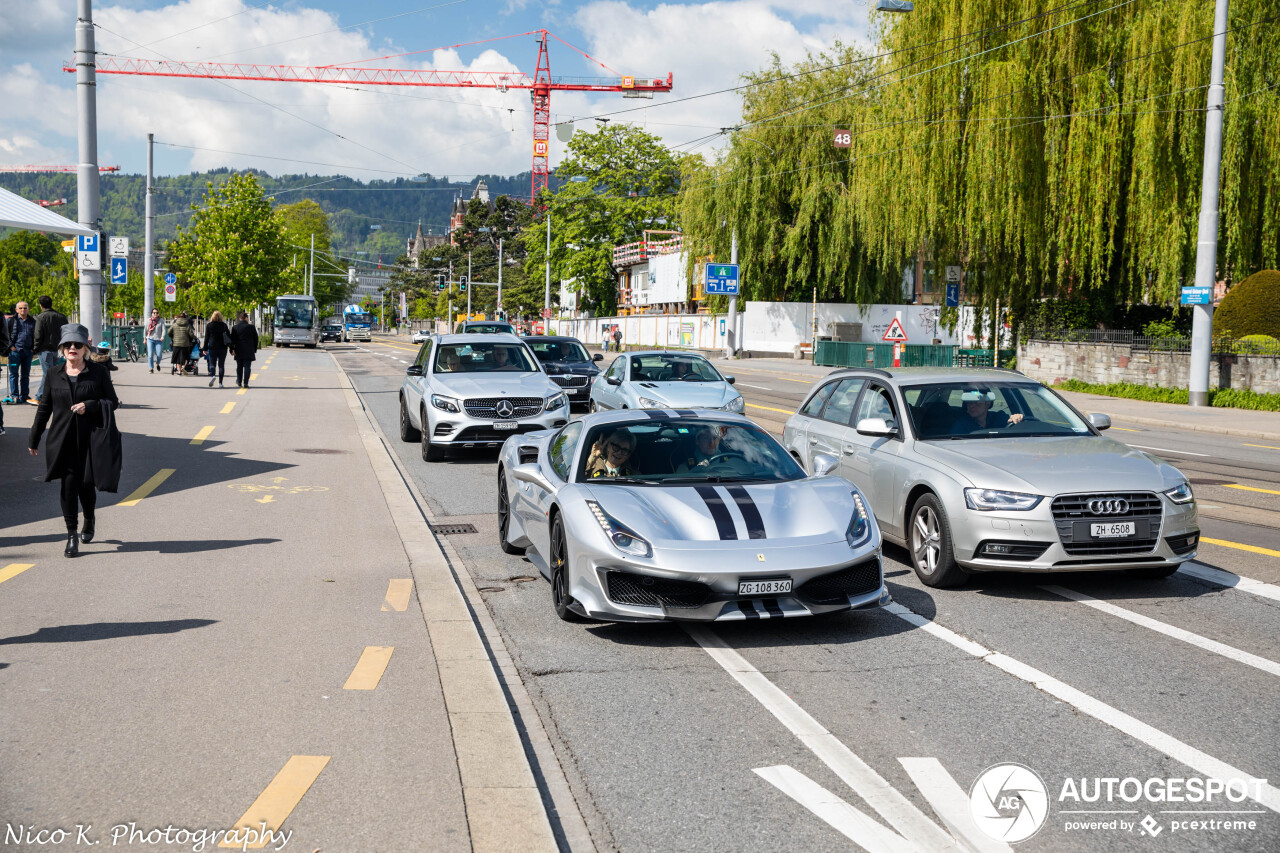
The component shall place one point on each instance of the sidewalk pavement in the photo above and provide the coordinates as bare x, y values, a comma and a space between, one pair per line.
265, 630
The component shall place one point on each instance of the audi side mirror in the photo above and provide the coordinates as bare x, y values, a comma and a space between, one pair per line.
1100, 421
875, 426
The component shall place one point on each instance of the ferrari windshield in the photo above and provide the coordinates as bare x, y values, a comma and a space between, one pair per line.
484, 357
970, 410
672, 367
684, 451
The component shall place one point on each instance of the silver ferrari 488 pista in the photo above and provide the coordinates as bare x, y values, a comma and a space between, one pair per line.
684, 514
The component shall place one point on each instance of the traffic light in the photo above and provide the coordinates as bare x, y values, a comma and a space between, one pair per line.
441, 282
462, 284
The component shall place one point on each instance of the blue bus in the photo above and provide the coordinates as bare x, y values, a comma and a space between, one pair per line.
357, 324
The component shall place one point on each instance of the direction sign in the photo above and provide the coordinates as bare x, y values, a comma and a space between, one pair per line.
117, 246
88, 252
119, 270
170, 278
1197, 296
895, 333
722, 280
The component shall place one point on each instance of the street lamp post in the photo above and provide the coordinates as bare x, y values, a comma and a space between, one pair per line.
546, 293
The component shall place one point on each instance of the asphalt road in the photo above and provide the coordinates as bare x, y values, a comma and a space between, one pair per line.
809, 734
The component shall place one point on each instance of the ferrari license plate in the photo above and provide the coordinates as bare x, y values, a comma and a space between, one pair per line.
1111, 531
505, 425
773, 587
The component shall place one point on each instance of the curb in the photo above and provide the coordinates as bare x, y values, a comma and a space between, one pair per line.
503, 802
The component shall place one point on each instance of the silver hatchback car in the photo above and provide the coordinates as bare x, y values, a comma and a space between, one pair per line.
987, 470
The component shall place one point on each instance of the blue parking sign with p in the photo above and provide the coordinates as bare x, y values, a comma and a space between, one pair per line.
119, 270
87, 243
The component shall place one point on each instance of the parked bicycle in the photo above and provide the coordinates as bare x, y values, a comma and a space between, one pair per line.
131, 349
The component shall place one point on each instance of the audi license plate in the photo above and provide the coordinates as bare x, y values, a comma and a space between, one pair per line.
764, 587
513, 425
1112, 530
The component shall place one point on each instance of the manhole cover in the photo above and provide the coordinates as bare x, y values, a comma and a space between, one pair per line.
319, 451
453, 529
492, 589
523, 579
1202, 481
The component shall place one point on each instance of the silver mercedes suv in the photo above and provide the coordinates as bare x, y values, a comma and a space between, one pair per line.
474, 390
987, 470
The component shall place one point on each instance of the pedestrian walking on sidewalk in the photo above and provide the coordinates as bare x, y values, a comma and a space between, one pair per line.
4, 350
182, 335
244, 346
72, 406
22, 343
155, 340
48, 329
217, 337
617, 339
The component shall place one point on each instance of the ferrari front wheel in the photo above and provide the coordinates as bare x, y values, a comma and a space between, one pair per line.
560, 597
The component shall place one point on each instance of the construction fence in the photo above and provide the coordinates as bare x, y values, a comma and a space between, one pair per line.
859, 354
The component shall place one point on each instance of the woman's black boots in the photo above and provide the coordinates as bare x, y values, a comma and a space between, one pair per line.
73, 545
86, 531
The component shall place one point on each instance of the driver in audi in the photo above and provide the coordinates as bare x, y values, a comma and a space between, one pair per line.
978, 415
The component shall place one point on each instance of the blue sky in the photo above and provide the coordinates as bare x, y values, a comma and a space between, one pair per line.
388, 132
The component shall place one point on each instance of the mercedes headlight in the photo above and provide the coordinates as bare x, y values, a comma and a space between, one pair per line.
988, 500
445, 404
1180, 495
859, 525
735, 405
556, 401
623, 538
647, 403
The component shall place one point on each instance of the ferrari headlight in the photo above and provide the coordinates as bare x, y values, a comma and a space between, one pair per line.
735, 405
1180, 495
623, 538
555, 402
859, 525
445, 404
988, 500
647, 403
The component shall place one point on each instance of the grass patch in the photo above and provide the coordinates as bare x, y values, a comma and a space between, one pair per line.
1225, 398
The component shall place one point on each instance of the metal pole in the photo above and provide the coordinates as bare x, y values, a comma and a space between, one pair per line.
469, 284
149, 261
1207, 241
731, 330
498, 307
449, 324
995, 336
546, 293
311, 273
87, 189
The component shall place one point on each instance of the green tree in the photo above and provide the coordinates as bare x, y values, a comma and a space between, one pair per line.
299, 222
233, 254
33, 265
628, 184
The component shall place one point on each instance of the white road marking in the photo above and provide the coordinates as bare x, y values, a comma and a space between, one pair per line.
849, 821
1205, 764
1218, 576
1165, 450
950, 802
1170, 631
761, 387
895, 808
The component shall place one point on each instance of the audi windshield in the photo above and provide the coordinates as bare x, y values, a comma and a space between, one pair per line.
975, 410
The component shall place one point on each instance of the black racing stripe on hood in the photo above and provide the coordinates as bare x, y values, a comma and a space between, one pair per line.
750, 512
719, 512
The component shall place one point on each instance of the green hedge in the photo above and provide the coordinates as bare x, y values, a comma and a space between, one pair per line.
1251, 307
1227, 398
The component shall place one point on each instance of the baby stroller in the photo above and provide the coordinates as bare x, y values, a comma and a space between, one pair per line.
192, 366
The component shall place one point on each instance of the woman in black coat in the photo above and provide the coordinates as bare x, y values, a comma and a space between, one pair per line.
71, 408
217, 337
244, 346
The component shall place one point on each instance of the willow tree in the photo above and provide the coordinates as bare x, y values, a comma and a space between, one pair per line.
1049, 148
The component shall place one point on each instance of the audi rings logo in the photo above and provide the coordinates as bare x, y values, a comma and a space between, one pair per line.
1009, 802
1108, 506
506, 410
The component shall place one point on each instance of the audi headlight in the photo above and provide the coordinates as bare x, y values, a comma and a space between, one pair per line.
555, 402
445, 404
623, 538
988, 500
859, 525
647, 403
1180, 495
735, 405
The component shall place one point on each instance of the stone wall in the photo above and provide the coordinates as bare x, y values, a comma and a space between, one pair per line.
1055, 361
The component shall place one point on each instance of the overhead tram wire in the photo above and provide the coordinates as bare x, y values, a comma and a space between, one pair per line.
243, 11
281, 109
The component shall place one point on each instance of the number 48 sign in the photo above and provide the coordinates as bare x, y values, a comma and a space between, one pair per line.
843, 139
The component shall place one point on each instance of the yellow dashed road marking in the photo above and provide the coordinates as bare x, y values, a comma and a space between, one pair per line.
770, 409
1241, 547
253, 377
226, 410
202, 435
1267, 446
1126, 429
242, 390
147, 487
278, 800
1251, 489
398, 592
14, 569
368, 672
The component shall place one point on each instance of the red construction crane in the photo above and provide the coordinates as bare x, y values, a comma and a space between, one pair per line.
56, 202
540, 85
53, 168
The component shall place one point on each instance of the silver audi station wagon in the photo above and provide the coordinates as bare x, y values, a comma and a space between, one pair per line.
987, 470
